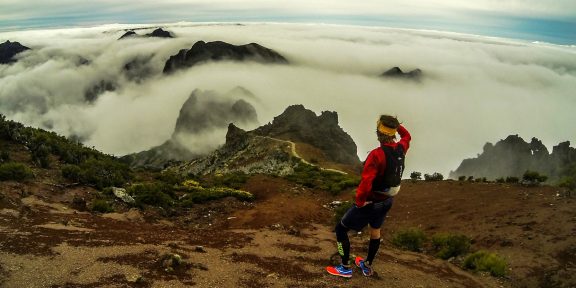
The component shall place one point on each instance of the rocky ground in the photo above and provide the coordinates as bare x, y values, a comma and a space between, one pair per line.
283, 239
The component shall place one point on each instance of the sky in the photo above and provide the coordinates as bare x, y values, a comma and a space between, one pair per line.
551, 21
474, 89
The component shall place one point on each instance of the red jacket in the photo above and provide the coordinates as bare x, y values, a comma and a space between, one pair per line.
376, 165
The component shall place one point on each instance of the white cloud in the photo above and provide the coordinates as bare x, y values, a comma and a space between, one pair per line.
475, 89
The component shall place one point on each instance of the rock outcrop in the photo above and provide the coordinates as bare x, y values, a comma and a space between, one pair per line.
513, 156
221, 51
396, 72
202, 116
301, 125
9, 49
160, 33
271, 149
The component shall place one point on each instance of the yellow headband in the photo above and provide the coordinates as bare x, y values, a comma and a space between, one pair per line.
385, 130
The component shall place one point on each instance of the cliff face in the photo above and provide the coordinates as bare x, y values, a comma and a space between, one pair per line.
513, 156
218, 51
301, 125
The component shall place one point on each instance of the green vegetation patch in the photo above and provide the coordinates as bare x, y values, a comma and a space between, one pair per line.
196, 194
100, 173
314, 177
410, 239
486, 261
102, 206
450, 245
15, 171
155, 194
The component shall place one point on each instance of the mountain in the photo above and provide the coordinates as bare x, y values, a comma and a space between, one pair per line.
159, 32
9, 49
396, 72
203, 115
513, 156
295, 136
219, 51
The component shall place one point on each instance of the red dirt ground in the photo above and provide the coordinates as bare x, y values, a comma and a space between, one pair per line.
283, 239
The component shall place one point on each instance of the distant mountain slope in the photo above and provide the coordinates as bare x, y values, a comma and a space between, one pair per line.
202, 115
272, 148
218, 51
513, 156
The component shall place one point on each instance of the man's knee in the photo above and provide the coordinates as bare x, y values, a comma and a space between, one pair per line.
374, 233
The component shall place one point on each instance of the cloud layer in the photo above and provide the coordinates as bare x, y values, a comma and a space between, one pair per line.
474, 89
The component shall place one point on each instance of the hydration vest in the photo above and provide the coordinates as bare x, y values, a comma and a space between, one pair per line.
394, 169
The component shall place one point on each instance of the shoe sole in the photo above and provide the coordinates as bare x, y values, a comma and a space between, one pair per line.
341, 275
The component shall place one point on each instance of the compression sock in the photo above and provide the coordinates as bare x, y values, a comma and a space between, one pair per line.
372, 249
343, 243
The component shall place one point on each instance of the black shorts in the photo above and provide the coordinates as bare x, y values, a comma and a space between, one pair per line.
373, 214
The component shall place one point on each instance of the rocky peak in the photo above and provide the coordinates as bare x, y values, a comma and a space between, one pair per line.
128, 34
9, 49
299, 124
160, 33
220, 51
396, 72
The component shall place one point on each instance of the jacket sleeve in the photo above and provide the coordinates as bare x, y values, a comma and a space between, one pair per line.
368, 174
405, 138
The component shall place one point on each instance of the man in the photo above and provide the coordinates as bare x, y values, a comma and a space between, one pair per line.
374, 196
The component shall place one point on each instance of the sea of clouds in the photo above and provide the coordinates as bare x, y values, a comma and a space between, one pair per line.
474, 89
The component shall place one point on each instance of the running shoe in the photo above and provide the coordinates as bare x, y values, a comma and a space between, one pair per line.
360, 263
340, 270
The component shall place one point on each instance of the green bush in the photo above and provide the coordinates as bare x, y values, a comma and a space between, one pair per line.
512, 179
470, 178
409, 239
202, 195
486, 261
341, 210
15, 171
233, 180
171, 177
416, 176
461, 178
4, 156
314, 177
71, 172
104, 172
534, 177
155, 194
500, 180
102, 206
450, 245
434, 177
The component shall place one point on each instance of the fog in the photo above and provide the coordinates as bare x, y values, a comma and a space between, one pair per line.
474, 89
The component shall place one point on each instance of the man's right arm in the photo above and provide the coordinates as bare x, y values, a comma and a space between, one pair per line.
405, 137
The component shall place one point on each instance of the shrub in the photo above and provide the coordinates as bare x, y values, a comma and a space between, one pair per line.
500, 180
533, 177
104, 172
409, 239
171, 177
102, 206
203, 195
470, 178
4, 156
314, 177
486, 261
450, 245
15, 171
434, 177
416, 176
341, 210
71, 172
512, 179
461, 178
155, 194
234, 180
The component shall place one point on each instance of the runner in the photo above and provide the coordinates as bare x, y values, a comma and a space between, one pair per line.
374, 196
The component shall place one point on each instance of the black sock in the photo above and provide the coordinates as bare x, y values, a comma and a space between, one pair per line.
343, 243
372, 249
